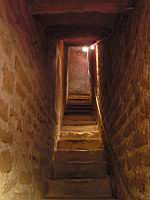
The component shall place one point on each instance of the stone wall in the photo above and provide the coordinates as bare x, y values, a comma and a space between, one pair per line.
25, 104
78, 79
59, 89
125, 99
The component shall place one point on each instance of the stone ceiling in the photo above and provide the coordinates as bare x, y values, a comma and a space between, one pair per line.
79, 20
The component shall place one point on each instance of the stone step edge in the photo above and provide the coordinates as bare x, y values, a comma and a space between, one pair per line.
87, 125
78, 140
81, 180
68, 121
80, 162
62, 198
68, 151
104, 197
76, 150
76, 124
76, 131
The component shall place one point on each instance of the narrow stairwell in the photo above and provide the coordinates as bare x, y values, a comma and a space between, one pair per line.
79, 168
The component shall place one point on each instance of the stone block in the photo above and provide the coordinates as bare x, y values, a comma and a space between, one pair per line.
3, 110
20, 91
22, 75
9, 185
8, 80
21, 196
6, 136
6, 44
6, 161
140, 140
25, 178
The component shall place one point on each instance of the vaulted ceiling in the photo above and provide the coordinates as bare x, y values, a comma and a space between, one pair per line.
79, 20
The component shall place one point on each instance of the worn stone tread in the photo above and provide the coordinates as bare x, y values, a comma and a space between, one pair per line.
80, 170
79, 144
80, 188
67, 122
79, 107
79, 117
78, 198
80, 155
76, 135
79, 128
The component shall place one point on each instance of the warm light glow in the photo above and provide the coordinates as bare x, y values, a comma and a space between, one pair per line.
92, 47
85, 49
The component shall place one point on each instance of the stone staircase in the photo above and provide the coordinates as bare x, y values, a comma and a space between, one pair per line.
79, 168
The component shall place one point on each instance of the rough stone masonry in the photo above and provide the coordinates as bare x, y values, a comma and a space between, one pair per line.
25, 108
125, 99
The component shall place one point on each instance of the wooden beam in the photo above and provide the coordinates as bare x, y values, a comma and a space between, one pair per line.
77, 6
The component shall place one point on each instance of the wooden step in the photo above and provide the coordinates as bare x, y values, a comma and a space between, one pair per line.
79, 188
79, 170
79, 144
80, 155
